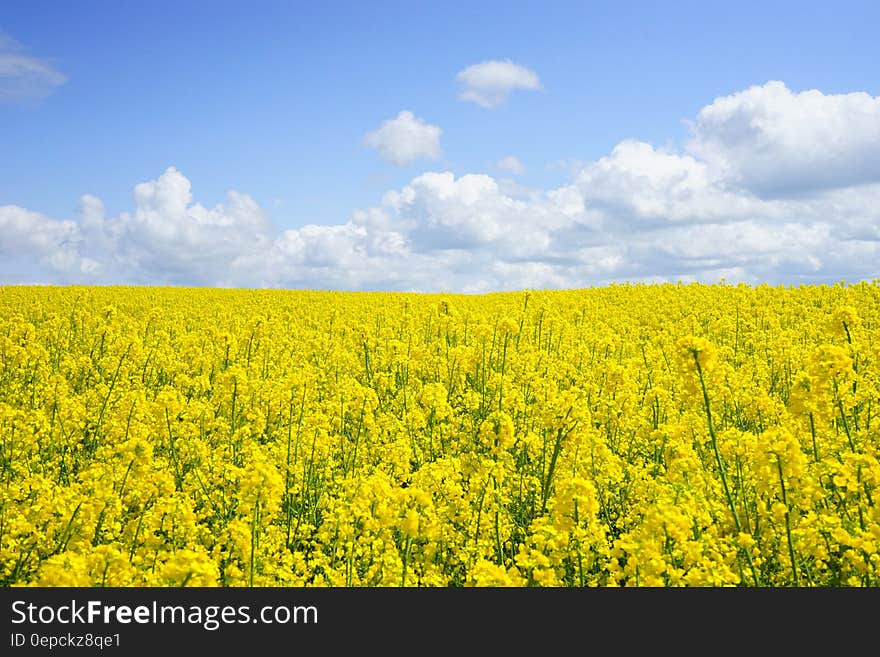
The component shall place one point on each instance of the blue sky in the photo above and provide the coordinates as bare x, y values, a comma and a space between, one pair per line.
276, 101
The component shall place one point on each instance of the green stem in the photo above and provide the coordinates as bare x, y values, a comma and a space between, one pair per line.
405, 561
813, 434
849, 439
254, 524
721, 469
787, 521
720, 463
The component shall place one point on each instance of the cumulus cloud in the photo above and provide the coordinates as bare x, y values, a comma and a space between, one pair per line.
774, 142
439, 212
640, 213
489, 83
24, 77
171, 240
639, 183
28, 236
405, 139
511, 164
167, 239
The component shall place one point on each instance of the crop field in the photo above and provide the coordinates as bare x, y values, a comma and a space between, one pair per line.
629, 435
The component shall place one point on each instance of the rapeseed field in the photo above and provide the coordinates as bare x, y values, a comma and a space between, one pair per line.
628, 435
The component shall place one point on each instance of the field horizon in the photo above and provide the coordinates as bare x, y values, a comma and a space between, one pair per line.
722, 283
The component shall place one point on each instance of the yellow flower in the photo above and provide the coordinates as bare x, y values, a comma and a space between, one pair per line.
497, 432
170, 436
692, 350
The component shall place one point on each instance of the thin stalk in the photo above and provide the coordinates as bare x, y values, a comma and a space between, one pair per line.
720, 463
787, 521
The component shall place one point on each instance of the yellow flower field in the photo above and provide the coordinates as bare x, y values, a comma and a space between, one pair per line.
647, 435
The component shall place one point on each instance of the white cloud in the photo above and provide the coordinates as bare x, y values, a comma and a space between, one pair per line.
439, 212
774, 142
640, 183
166, 240
641, 213
511, 164
489, 83
180, 240
31, 235
23, 77
405, 139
